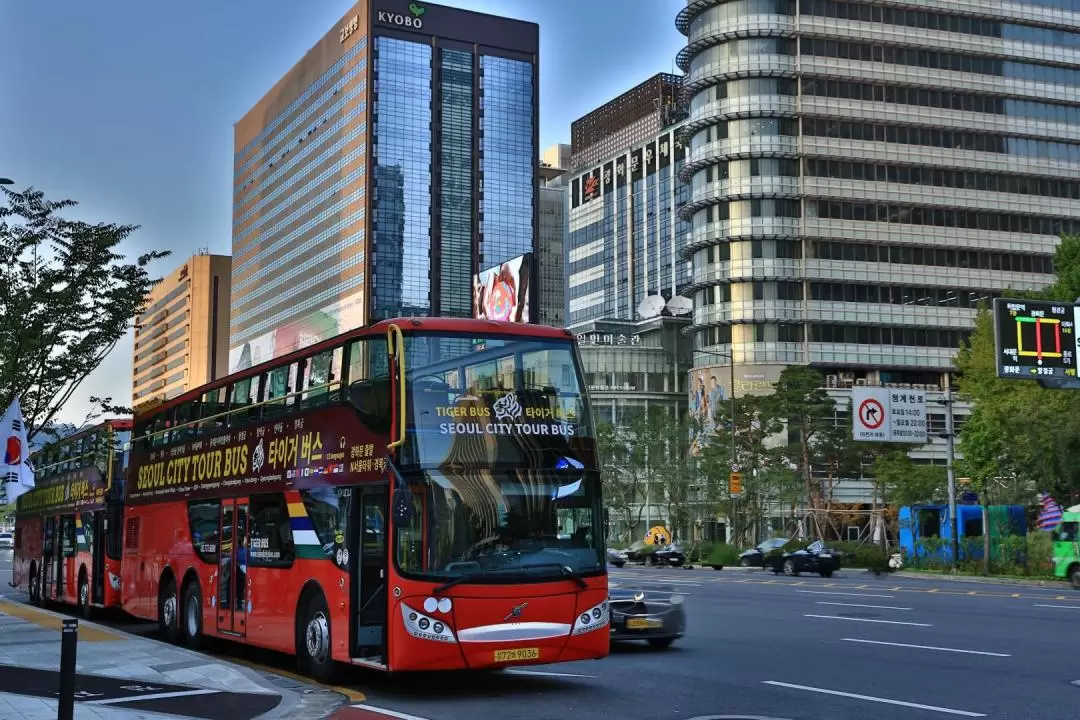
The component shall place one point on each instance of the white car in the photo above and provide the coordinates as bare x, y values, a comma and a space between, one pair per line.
7, 540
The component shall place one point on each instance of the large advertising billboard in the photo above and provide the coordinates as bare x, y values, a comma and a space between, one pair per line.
502, 292
710, 388
339, 317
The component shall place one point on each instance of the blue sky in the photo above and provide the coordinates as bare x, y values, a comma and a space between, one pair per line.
127, 106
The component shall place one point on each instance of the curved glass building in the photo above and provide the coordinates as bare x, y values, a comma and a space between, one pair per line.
863, 174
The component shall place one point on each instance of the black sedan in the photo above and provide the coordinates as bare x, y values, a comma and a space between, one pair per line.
755, 556
817, 558
667, 555
654, 615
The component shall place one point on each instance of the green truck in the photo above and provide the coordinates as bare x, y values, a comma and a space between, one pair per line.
1067, 547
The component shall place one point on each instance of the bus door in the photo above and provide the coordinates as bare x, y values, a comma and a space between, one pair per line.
49, 551
370, 571
94, 528
232, 596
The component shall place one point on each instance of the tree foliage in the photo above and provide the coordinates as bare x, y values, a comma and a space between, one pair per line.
68, 297
901, 481
1020, 438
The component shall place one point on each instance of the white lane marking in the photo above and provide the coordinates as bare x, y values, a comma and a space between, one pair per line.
390, 713
823, 592
870, 698
665, 581
883, 622
545, 673
151, 696
927, 647
1068, 607
880, 607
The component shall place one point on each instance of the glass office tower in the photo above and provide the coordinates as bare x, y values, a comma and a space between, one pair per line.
391, 165
863, 175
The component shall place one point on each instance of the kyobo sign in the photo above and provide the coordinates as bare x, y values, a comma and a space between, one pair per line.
412, 20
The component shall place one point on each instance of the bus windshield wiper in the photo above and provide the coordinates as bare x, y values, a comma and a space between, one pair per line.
564, 569
451, 583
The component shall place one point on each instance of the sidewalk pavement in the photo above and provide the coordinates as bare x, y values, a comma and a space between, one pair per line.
125, 677
984, 579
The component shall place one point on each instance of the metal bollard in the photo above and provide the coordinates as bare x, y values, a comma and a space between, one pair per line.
69, 643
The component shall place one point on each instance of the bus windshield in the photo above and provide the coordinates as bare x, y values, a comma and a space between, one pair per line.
499, 465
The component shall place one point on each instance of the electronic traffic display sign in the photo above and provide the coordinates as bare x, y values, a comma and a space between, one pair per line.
1035, 339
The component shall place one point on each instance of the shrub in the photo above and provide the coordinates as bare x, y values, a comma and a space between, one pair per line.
722, 555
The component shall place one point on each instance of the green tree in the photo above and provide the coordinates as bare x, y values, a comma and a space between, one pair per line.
901, 481
767, 478
68, 297
802, 401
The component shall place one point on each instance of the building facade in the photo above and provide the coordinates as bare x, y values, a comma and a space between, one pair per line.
390, 166
863, 175
632, 366
182, 336
554, 227
626, 237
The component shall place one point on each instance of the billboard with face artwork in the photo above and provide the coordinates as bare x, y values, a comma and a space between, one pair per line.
502, 292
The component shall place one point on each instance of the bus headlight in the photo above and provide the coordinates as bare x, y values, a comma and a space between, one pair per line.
423, 627
594, 618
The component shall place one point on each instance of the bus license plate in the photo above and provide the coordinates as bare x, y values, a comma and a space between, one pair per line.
643, 623
517, 654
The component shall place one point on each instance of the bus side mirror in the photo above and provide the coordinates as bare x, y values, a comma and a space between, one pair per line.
403, 505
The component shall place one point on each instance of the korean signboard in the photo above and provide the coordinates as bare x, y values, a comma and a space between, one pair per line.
882, 414
76, 490
608, 339
293, 454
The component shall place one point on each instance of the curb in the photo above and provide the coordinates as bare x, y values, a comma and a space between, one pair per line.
290, 699
980, 580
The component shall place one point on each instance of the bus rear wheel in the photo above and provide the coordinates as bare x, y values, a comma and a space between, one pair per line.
313, 649
168, 612
85, 608
35, 587
191, 624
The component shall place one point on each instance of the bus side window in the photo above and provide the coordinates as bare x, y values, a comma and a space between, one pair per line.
276, 382
203, 518
159, 437
242, 394
187, 416
114, 530
317, 379
271, 533
369, 382
1069, 532
213, 405
67, 535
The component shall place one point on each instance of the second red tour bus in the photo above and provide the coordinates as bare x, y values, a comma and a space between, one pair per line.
67, 529
418, 495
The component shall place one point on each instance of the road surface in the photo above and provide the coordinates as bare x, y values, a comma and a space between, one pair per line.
807, 648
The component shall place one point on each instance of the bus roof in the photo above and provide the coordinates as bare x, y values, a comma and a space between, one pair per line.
407, 324
114, 423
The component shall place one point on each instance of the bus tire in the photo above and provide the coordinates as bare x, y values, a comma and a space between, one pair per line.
192, 621
1074, 576
313, 647
35, 586
86, 609
168, 615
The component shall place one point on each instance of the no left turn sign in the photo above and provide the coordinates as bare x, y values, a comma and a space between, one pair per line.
871, 414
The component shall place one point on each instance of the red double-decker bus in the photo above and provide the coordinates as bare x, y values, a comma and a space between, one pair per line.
67, 529
421, 494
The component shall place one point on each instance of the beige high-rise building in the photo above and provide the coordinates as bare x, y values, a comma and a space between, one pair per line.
182, 337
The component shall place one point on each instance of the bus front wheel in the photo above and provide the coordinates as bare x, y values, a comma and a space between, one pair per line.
191, 625
313, 649
1074, 576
